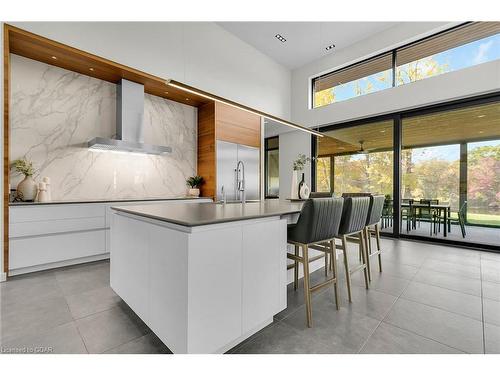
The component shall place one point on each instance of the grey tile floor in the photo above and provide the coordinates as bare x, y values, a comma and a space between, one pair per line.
428, 299
474, 233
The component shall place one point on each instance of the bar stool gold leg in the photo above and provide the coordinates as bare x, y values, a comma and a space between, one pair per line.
296, 269
377, 237
326, 264
307, 291
367, 245
346, 266
364, 254
333, 257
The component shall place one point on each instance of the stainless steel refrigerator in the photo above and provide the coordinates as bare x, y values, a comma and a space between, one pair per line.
228, 156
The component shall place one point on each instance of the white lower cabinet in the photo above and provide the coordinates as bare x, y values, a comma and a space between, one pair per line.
44, 236
208, 287
28, 253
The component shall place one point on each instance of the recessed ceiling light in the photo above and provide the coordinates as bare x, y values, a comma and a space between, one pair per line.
53, 57
91, 69
187, 98
481, 116
280, 37
382, 131
481, 132
166, 92
330, 47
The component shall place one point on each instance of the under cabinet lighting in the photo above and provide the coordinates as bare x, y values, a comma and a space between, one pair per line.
203, 95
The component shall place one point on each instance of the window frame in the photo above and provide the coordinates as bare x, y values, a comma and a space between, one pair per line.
393, 51
266, 149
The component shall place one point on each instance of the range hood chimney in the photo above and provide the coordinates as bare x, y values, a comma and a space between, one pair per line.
129, 123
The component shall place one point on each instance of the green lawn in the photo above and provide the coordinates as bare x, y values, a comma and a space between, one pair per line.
487, 219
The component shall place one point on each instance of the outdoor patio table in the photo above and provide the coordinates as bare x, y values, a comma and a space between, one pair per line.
445, 208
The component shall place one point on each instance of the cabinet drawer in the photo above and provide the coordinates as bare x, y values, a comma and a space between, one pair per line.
55, 212
37, 228
33, 251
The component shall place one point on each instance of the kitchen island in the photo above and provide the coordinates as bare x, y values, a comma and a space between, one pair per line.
202, 276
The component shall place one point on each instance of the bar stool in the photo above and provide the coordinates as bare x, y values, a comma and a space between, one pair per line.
354, 238
354, 217
373, 228
318, 224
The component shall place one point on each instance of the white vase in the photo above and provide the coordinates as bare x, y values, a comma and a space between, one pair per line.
27, 189
294, 193
42, 192
304, 191
194, 192
46, 180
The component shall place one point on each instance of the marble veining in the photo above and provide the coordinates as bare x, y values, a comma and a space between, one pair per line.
54, 112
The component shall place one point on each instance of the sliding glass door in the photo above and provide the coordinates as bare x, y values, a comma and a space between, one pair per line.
356, 159
450, 166
447, 171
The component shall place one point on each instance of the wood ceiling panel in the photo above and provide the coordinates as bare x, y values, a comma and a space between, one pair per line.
471, 124
50, 52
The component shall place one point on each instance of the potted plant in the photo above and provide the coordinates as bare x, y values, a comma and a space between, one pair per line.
194, 183
298, 166
26, 189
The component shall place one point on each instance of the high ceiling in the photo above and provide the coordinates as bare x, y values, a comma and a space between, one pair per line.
305, 41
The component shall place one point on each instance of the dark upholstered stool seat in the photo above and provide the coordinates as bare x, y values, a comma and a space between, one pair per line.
318, 224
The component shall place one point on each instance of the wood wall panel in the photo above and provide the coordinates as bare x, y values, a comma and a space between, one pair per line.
237, 126
207, 150
6, 192
32, 46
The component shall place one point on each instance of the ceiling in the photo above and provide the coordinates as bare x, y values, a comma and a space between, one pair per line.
470, 124
305, 41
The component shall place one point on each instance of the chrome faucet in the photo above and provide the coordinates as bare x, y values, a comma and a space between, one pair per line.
241, 181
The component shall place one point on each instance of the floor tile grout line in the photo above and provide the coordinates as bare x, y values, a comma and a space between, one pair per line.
446, 288
425, 337
74, 321
407, 330
407, 299
124, 343
482, 306
451, 274
440, 308
387, 313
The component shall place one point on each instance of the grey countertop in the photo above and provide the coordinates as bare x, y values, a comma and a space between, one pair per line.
103, 201
196, 214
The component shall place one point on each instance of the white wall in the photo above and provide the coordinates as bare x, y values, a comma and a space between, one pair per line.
201, 54
468, 82
291, 144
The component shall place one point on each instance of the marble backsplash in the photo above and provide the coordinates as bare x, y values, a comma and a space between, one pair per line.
54, 112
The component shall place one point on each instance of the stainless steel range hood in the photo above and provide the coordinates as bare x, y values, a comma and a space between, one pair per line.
129, 123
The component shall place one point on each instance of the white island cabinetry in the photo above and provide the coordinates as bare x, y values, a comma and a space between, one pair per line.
201, 289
